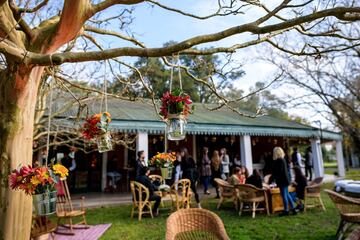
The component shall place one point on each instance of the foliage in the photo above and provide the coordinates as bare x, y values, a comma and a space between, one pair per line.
96, 125
36, 180
162, 160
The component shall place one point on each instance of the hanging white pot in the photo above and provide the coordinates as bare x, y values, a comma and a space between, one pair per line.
175, 127
104, 142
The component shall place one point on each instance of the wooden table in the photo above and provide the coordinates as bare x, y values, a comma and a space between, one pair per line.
276, 201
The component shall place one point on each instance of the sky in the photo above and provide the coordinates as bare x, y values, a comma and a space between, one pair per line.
155, 26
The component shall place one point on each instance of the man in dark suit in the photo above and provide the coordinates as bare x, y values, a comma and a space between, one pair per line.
144, 179
140, 162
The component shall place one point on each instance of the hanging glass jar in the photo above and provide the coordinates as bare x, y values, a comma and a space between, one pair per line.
175, 127
104, 142
44, 203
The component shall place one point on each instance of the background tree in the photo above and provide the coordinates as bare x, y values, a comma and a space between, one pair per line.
35, 35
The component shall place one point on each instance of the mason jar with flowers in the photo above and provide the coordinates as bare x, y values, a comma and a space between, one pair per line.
164, 161
97, 127
175, 109
39, 182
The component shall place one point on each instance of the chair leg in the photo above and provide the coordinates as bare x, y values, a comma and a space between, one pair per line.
267, 207
253, 209
241, 208
322, 204
220, 202
150, 209
71, 225
132, 212
305, 203
339, 230
140, 210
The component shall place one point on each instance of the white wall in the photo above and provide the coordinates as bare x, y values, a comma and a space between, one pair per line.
142, 143
317, 158
246, 152
340, 159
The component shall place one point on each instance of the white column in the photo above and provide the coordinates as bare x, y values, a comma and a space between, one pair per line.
340, 158
104, 170
246, 154
194, 146
142, 144
317, 158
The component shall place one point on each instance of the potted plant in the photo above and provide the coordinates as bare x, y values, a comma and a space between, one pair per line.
39, 182
176, 107
96, 127
164, 161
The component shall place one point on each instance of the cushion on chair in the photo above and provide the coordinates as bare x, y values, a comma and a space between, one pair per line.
340, 185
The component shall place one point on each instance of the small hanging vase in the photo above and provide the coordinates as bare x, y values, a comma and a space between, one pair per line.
175, 127
166, 172
104, 142
44, 203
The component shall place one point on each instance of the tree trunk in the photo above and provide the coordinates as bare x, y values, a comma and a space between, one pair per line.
18, 91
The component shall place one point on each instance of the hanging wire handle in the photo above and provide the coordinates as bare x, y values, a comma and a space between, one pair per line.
50, 112
177, 62
104, 94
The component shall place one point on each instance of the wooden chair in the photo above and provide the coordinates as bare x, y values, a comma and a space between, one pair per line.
193, 224
247, 193
66, 210
313, 191
227, 192
41, 226
140, 195
349, 209
158, 178
182, 199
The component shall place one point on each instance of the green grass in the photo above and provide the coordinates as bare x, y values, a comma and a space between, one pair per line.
330, 164
313, 224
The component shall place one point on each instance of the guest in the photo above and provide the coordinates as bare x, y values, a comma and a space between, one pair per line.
215, 170
300, 183
140, 162
308, 163
255, 179
236, 177
144, 179
268, 163
296, 157
177, 166
281, 177
206, 170
188, 166
237, 161
225, 162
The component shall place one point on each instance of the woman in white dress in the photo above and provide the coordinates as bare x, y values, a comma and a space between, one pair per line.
225, 162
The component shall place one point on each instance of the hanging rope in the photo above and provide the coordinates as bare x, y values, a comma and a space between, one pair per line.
104, 95
177, 62
50, 112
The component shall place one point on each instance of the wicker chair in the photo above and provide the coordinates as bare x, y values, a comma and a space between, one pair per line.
349, 209
354, 235
183, 199
196, 224
65, 210
313, 191
248, 193
140, 195
227, 192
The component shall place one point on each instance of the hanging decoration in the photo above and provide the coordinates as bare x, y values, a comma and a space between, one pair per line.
176, 107
39, 182
96, 127
164, 161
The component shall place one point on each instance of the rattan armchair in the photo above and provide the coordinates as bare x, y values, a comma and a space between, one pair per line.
313, 192
227, 192
349, 209
248, 193
141, 202
195, 224
180, 194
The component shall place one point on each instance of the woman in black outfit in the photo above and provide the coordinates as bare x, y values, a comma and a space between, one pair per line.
281, 176
300, 183
188, 166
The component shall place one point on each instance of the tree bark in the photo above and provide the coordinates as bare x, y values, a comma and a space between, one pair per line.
18, 93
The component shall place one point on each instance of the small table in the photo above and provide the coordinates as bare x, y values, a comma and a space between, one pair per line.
276, 199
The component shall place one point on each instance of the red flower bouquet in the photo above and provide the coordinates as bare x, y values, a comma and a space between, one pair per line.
176, 102
96, 125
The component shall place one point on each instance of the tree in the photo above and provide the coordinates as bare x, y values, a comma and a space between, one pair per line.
30, 41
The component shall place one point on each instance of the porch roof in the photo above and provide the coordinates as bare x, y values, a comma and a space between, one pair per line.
133, 117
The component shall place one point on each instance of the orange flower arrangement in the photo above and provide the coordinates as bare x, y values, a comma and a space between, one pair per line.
96, 125
163, 159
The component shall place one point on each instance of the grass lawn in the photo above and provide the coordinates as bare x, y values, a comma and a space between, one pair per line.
313, 224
